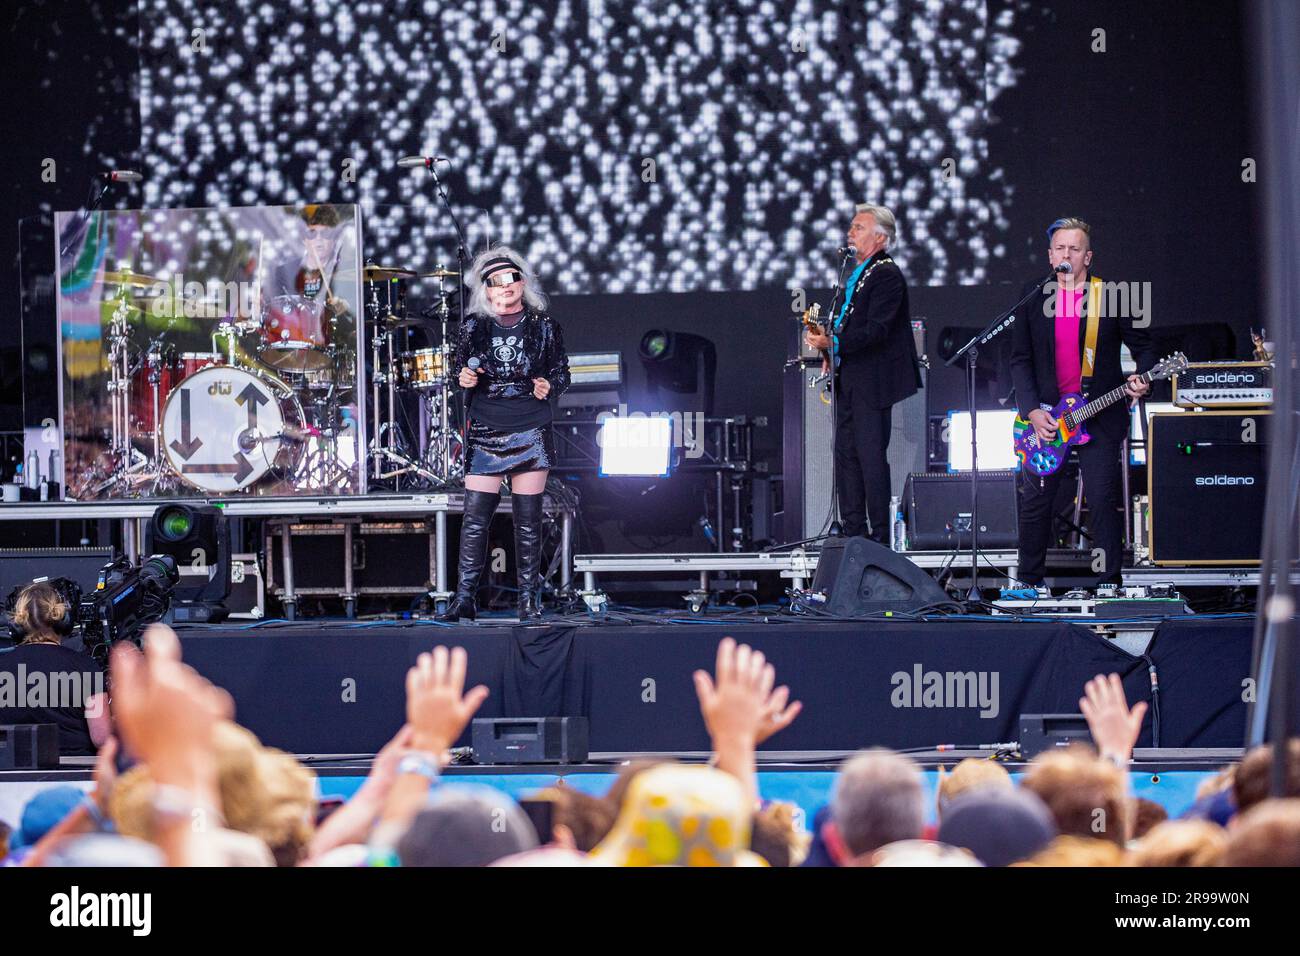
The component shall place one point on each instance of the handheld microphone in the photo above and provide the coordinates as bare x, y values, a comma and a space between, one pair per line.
474, 363
1063, 267
427, 162
122, 176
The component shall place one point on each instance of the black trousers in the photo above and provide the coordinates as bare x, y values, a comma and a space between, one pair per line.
1099, 460
861, 466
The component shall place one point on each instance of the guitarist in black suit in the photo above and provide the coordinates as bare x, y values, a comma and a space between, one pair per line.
1047, 361
874, 354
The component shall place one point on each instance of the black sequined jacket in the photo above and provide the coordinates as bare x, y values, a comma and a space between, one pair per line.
544, 355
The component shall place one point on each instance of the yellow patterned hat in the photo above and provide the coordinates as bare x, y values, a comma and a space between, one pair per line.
675, 815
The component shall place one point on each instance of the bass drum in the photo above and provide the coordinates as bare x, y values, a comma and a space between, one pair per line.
224, 429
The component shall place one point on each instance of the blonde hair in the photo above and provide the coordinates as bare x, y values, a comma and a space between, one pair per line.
264, 792
534, 297
37, 609
1070, 222
1077, 851
1180, 843
1268, 834
1088, 797
973, 773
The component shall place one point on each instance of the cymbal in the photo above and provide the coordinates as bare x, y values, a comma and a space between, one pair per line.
373, 273
402, 322
171, 306
440, 274
128, 276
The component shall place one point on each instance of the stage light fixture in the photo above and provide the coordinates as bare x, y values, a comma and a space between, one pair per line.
997, 450
679, 362
596, 380
635, 445
197, 537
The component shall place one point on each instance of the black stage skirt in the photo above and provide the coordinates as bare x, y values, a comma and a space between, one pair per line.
492, 451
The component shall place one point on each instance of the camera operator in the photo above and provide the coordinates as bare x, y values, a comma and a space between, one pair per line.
43, 682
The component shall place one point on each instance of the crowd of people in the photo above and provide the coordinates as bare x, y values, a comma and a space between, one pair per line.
203, 791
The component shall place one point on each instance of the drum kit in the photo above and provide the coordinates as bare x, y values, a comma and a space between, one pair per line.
404, 369
272, 406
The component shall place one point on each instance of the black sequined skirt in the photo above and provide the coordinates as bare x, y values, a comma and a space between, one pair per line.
491, 451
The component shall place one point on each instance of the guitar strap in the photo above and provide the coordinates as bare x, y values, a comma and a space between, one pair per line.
1093, 307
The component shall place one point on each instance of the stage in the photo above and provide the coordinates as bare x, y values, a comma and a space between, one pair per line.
332, 692
338, 687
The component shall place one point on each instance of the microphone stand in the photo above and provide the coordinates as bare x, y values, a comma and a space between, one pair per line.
93, 201
970, 351
462, 258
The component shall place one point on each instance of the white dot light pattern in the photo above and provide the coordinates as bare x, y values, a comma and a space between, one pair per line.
658, 146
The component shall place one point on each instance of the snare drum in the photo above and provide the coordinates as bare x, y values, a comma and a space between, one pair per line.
339, 375
295, 334
423, 368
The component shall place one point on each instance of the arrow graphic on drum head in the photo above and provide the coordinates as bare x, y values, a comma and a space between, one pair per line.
252, 397
187, 446
240, 470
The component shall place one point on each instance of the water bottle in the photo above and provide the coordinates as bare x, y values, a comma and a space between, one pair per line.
33, 470
898, 531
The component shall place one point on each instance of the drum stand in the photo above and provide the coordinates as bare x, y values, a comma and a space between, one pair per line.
384, 447
128, 461
437, 453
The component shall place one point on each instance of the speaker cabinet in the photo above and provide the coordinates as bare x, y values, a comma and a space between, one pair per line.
808, 435
1207, 478
938, 510
861, 577
808, 442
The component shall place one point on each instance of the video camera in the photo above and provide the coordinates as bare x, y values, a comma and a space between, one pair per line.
126, 599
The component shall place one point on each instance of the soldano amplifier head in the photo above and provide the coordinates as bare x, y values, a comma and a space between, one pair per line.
1206, 476
1224, 385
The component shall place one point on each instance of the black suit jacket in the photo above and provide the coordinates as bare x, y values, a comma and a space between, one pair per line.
1033, 360
878, 363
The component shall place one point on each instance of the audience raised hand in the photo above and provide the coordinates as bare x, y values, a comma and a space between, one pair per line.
741, 709
1114, 727
437, 711
166, 714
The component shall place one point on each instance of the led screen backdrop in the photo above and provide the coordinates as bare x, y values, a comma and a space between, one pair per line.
625, 147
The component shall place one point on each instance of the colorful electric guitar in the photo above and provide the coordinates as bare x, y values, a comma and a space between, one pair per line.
1043, 458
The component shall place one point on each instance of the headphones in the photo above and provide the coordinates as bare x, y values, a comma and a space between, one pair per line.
69, 596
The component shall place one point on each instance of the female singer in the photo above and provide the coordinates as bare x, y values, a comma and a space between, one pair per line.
512, 363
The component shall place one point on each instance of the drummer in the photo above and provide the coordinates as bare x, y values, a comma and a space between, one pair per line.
310, 276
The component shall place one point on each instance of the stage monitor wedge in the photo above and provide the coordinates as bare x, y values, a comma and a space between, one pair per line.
861, 577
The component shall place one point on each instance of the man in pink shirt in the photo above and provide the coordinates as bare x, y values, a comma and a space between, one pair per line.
1046, 365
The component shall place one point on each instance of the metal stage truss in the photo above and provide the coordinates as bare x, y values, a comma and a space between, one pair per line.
798, 566
707, 568
283, 511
